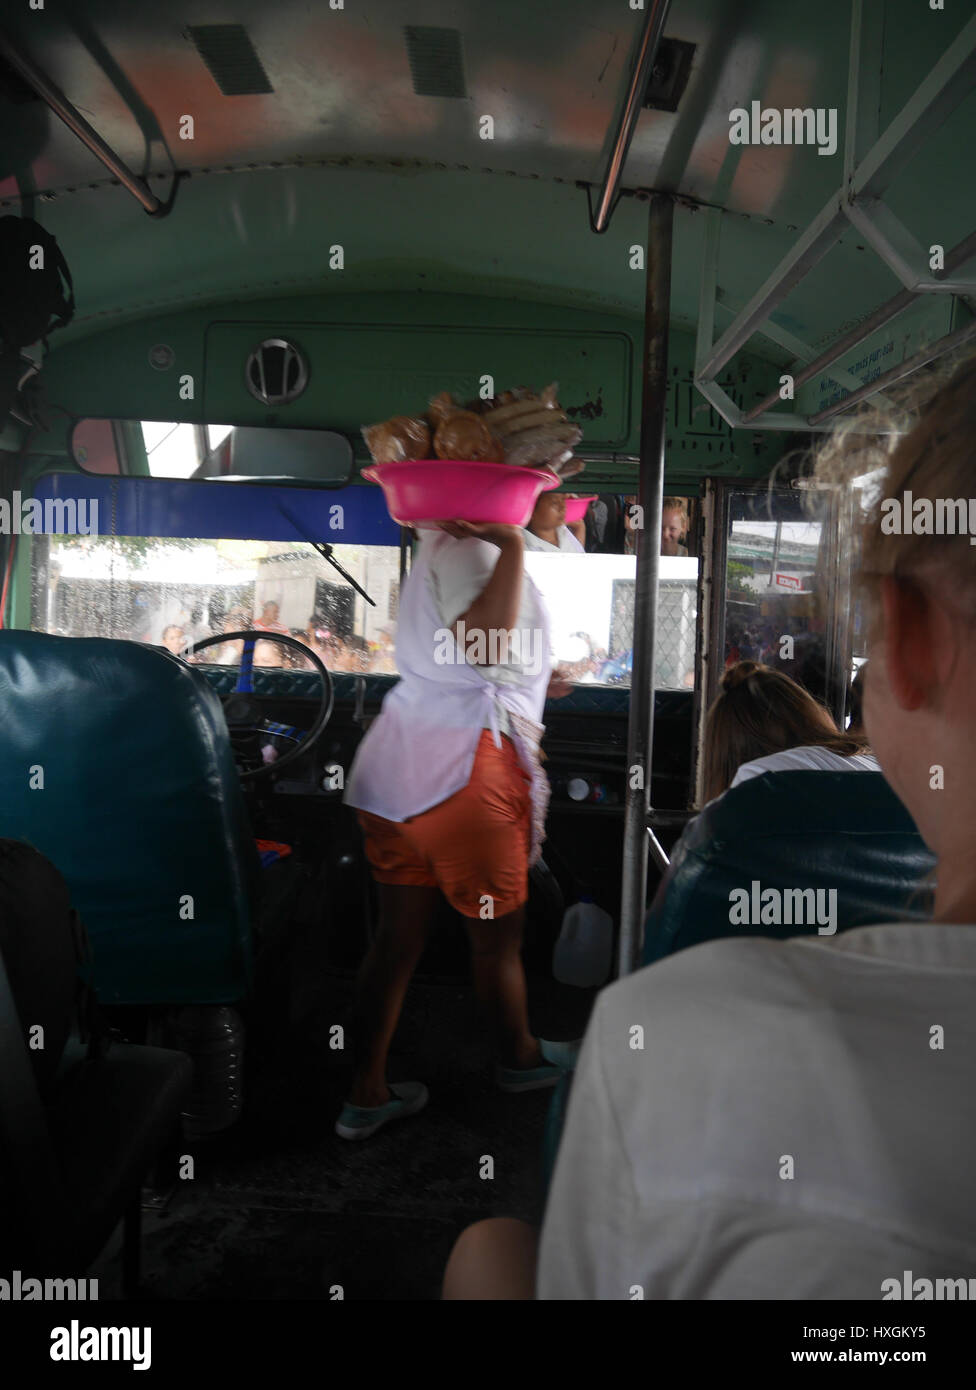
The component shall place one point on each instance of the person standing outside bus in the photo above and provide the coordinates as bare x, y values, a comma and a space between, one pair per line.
451, 797
269, 619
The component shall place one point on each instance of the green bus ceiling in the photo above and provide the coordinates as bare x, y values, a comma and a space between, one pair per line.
354, 203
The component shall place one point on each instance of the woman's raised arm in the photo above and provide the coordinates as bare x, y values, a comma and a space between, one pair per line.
496, 607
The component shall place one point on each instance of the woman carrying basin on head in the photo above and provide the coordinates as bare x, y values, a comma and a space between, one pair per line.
547, 528
452, 798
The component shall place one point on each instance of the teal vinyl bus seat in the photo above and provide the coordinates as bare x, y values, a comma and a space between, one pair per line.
80, 1126
115, 763
846, 831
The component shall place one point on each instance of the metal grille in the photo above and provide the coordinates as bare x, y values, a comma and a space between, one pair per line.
436, 62
229, 54
674, 658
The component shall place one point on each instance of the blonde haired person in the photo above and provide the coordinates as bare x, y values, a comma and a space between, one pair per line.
674, 525
800, 1122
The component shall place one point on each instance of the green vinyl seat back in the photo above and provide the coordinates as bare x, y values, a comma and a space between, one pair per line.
115, 763
845, 831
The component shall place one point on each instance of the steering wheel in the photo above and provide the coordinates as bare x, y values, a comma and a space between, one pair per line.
250, 732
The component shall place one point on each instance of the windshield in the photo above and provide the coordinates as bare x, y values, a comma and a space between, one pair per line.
174, 593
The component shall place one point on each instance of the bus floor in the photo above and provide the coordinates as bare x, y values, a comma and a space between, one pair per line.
279, 1207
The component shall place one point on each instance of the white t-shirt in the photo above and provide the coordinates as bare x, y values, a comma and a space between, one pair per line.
421, 747
792, 1127
567, 542
812, 759
459, 571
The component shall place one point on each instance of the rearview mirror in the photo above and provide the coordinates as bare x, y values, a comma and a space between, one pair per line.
157, 449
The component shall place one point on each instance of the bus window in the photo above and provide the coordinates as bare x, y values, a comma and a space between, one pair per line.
590, 599
777, 605
173, 593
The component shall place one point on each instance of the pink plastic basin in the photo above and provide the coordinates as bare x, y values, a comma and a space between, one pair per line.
576, 507
426, 491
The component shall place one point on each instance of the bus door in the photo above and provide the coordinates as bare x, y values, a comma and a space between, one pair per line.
776, 589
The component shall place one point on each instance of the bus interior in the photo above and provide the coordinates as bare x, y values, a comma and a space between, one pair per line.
283, 224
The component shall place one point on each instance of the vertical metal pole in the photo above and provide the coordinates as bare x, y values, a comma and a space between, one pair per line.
711, 576
640, 733
777, 546
839, 529
718, 563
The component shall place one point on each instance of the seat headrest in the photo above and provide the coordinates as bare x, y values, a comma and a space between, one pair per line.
841, 830
116, 764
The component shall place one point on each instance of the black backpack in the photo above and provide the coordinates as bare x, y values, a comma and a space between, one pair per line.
46, 954
36, 293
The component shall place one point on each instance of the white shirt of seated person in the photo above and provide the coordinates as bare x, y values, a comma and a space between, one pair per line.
806, 759
796, 1119
765, 1140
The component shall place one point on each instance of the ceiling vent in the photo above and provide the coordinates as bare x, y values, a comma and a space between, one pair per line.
229, 54
436, 61
276, 372
669, 75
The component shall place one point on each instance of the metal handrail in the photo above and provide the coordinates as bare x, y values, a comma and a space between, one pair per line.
640, 730
76, 123
657, 851
650, 42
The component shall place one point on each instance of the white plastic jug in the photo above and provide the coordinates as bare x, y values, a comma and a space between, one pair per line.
583, 953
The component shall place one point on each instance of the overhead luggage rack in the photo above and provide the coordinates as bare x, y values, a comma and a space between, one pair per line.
859, 203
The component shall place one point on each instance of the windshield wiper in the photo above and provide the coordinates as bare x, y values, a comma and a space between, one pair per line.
326, 552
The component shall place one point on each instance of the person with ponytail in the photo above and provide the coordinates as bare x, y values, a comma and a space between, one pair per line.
763, 721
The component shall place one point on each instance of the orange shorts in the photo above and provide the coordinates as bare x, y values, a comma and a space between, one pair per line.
473, 847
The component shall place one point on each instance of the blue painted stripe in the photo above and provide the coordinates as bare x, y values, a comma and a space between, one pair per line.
211, 510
